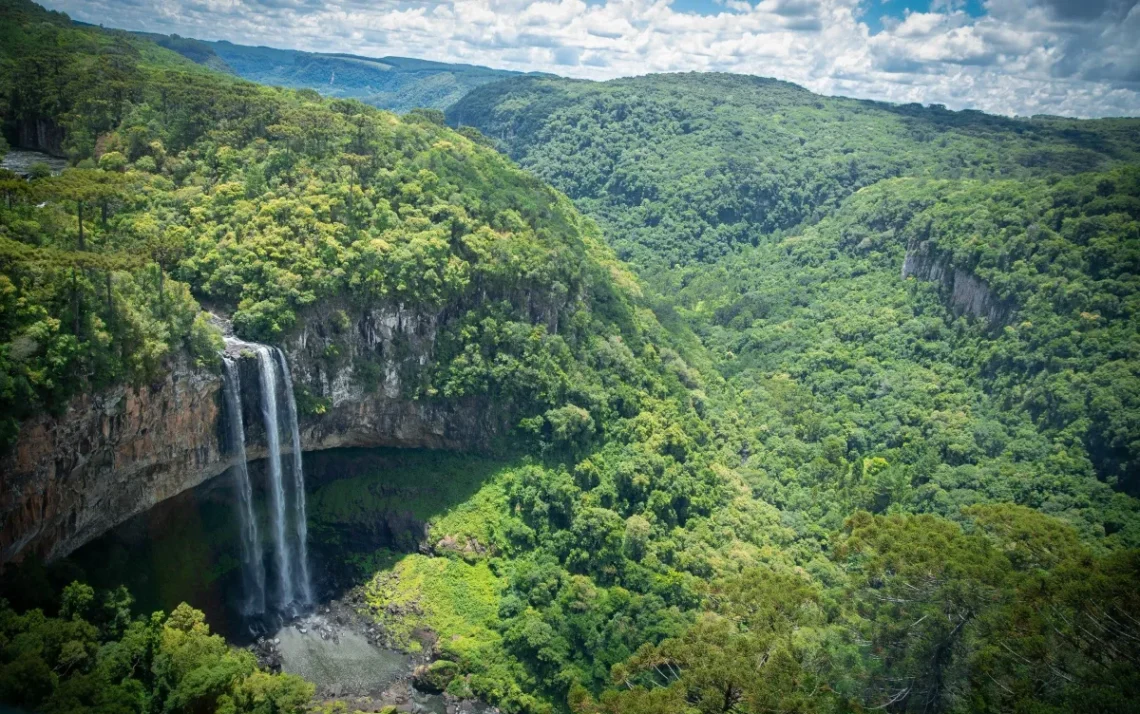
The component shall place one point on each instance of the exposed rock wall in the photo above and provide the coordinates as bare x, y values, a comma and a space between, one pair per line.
120, 451
40, 134
367, 369
117, 453
966, 293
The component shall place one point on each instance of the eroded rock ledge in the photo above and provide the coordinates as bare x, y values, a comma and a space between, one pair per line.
965, 293
119, 452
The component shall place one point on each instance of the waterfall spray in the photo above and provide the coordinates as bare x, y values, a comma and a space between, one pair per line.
277, 508
252, 567
304, 586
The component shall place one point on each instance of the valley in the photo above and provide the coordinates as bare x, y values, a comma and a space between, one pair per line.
669, 394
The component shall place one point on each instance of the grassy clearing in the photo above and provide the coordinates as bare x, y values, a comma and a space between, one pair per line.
458, 601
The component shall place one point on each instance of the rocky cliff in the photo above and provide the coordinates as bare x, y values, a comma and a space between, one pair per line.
117, 453
39, 134
965, 292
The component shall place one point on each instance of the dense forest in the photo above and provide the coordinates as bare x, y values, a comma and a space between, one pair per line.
1001, 365
680, 168
859, 429
916, 311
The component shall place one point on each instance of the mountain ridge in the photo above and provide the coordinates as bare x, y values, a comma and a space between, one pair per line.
390, 82
687, 167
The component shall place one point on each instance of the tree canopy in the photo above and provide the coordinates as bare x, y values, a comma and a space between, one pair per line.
780, 474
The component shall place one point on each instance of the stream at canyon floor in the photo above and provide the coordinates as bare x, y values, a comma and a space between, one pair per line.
20, 162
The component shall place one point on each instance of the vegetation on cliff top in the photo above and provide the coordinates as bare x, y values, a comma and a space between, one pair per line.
263, 201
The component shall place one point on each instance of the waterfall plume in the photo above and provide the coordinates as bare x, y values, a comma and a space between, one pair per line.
278, 514
300, 522
252, 567
285, 487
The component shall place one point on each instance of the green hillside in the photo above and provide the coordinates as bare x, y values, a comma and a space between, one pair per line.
836, 359
264, 201
685, 168
916, 310
196, 51
790, 196
778, 476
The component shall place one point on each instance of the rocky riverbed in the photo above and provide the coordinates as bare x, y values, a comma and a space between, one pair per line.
343, 654
20, 162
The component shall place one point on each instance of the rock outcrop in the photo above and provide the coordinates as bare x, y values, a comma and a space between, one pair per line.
40, 134
116, 453
965, 293
108, 456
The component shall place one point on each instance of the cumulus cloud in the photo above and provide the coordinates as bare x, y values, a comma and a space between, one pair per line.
1072, 57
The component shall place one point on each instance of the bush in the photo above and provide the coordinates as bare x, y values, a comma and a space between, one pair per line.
39, 170
147, 163
112, 161
434, 678
205, 341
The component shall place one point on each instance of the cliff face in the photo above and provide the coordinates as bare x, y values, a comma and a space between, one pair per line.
365, 369
40, 134
966, 293
117, 453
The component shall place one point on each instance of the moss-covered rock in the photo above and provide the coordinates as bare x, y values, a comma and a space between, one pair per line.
435, 677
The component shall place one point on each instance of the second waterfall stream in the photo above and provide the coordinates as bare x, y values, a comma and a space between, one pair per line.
282, 584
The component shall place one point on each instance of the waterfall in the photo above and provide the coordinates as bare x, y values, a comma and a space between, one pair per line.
277, 509
299, 515
252, 568
288, 526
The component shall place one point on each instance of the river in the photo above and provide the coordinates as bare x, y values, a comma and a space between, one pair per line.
20, 162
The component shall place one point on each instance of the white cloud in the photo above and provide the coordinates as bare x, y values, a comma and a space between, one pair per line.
1075, 57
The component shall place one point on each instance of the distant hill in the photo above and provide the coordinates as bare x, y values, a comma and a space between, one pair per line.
683, 168
194, 50
394, 83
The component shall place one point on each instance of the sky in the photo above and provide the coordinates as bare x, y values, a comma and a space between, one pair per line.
1015, 57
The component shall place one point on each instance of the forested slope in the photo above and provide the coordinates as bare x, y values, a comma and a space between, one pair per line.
681, 168
853, 513
916, 310
264, 201
860, 383
196, 51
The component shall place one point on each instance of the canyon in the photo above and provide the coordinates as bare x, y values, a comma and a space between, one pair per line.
118, 452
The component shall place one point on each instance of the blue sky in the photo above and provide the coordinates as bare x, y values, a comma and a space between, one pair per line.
875, 12
1023, 57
